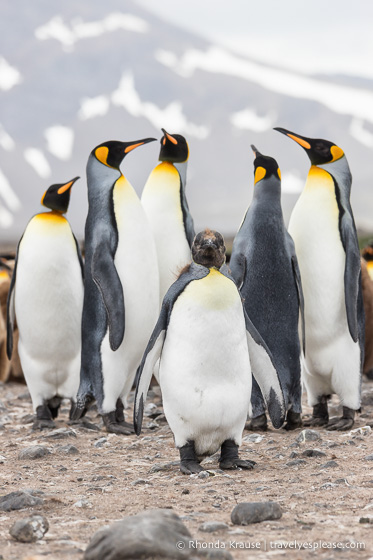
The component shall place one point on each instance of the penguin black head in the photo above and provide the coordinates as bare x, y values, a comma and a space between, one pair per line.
112, 152
174, 148
208, 249
319, 151
57, 197
264, 167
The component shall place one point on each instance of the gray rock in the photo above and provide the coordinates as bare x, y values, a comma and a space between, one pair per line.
308, 435
140, 481
255, 512
157, 533
30, 529
161, 467
61, 433
296, 463
313, 453
212, 526
68, 449
369, 458
100, 442
19, 500
34, 452
368, 519
294, 454
329, 465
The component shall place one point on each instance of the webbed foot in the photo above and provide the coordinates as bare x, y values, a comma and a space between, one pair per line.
43, 420
258, 424
293, 420
344, 423
189, 463
229, 458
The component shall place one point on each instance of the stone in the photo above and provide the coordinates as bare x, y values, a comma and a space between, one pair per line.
253, 438
296, 463
246, 513
313, 453
157, 533
30, 529
68, 449
329, 465
34, 452
213, 526
367, 519
100, 442
19, 500
84, 504
308, 435
160, 467
369, 458
61, 433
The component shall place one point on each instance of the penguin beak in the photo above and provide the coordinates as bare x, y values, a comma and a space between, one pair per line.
64, 187
255, 150
301, 140
138, 143
169, 137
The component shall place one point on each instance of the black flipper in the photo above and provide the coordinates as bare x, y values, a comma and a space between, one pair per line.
154, 348
106, 278
298, 281
352, 276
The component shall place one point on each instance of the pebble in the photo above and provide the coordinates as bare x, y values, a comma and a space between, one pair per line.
34, 452
61, 433
100, 442
369, 458
30, 529
329, 465
308, 435
140, 481
68, 449
367, 519
84, 504
296, 462
157, 533
203, 474
19, 500
212, 526
253, 438
160, 467
246, 513
313, 453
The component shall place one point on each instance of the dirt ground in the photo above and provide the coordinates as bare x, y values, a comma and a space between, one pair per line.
123, 475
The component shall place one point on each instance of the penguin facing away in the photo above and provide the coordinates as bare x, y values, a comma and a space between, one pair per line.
207, 348
121, 301
46, 298
166, 207
367, 289
323, 229
265, 268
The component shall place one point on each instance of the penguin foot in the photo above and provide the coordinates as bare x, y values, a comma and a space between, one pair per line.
80, 408
229, 458
320, 415
344, 423
315, 422
258, 424
54, 406
43, 420
293, 420
114, 427
189, 463
119, 417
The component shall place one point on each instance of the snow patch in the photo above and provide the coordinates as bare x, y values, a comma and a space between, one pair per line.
358, 132
7, 193
78, 29
6, 141
60, 140
9, 75
91, 107
38, 162
340, 99
171, 117
248, 119
291, 183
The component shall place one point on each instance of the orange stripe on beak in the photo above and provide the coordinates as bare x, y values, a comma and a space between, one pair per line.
171, 138
299, 141
65, 188
130, 148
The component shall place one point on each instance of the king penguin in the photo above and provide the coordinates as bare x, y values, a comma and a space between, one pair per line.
166, 206
207, 348
121, 300
46, 299
323, 229
265, 268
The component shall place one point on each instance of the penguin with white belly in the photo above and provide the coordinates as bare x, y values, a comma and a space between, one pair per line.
46, 299
265, 268
207, 348
121, 301
324, 233
166, 207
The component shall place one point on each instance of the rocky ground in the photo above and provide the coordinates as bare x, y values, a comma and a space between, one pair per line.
85, 478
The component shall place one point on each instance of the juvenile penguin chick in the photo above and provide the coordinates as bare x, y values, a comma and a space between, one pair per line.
265, 268
203, 338
323, 229
46, 298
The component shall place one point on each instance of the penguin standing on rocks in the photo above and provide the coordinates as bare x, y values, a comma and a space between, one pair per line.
265, 268
46, 299
121, 300
323, 229
207, 348
167, 209
367, 288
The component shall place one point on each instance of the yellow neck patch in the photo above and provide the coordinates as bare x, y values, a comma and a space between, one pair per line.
319, 178
214, 292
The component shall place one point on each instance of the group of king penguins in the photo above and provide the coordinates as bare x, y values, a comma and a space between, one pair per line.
152, 298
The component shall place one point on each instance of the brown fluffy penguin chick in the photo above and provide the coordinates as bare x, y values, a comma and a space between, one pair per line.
367, 286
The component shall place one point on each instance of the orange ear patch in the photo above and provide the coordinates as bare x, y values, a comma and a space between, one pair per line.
102, 154
260, 173
336, 152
